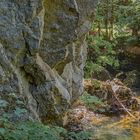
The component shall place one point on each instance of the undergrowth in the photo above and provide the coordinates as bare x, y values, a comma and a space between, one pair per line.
91, 101
37, 131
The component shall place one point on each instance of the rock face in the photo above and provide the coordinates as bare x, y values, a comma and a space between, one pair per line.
42, 52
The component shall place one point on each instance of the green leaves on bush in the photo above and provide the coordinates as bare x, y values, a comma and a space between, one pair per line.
90, 101
29, 131
101, 54
91, 67
83, 135
3, 103
20, 111
38, 131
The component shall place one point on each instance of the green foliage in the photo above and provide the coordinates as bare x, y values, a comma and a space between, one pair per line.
101, 54
104, 51
90, 67
19, 111
37, 131
117, 24
91, 101
128, 16
121, 17
108, 60
100, 44
29, 131
83, 135
3, 103
96, 84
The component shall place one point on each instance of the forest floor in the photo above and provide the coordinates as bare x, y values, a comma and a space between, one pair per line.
111, 116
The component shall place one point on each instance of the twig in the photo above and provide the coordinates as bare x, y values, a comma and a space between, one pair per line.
114, 94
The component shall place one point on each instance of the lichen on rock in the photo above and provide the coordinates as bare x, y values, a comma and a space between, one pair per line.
42, 52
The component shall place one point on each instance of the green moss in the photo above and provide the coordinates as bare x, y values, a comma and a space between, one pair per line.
59, 67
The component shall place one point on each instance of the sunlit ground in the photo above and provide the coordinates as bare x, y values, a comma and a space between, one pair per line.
105, 127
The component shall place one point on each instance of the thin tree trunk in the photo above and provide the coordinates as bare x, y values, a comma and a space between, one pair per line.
112, 20
106, 19
99, 29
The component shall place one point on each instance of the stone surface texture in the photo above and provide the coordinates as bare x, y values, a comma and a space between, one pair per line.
42, 53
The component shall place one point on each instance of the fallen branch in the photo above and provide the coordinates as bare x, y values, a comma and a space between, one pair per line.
114, 94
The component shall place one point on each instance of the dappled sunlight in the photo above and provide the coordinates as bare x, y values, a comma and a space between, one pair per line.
69, 69
90, 112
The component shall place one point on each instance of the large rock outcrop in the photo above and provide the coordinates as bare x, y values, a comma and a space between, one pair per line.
42, 53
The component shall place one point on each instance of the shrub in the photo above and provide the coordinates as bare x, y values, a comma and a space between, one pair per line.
37, 131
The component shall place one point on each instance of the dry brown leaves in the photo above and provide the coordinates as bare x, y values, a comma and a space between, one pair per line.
117, 95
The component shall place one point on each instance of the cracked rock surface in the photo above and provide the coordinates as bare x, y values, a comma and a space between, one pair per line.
42, 53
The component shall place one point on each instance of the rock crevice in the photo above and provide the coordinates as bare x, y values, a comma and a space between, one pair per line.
45, 52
